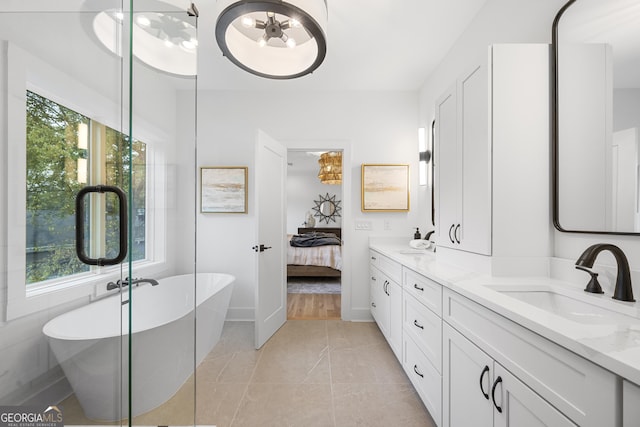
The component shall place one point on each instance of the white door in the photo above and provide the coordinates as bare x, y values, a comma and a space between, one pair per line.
271, 286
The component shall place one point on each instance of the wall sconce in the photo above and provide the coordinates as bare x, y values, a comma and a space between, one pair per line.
425, 156
273, 38
425, 151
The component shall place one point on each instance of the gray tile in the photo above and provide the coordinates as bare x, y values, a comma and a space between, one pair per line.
304, 405
380, 405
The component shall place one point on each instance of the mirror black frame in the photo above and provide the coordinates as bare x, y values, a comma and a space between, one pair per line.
318, 208
555, 134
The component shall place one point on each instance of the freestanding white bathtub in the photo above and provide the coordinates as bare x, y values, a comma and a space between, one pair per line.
91, 343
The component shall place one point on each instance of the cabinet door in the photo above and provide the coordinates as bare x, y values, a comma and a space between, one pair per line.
380, 300
394, 294
466, 382
373, 293
519, 406
474, 232
447, 167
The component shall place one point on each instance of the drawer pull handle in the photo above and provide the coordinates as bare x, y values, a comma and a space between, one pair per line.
415, 369
373, 258
456, 235
484, 371
373, 278
415, 285
373, 304
450, 230
418, 325
493, 393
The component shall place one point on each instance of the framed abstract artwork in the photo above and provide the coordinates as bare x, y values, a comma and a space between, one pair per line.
385, 188
223, 189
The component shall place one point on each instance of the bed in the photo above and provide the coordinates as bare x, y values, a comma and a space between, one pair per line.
317, 261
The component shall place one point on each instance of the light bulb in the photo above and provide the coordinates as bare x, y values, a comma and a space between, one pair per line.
188, 44
271, 14
291, 42
295, 23
262, 42
119, 16
248, 22
143, 21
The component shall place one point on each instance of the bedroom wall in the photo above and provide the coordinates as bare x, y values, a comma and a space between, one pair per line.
303, 189
380, 127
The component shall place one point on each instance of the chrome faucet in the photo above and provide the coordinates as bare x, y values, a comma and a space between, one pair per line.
623, 290
126, 282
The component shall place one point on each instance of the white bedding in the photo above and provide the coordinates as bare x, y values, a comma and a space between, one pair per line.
326, 256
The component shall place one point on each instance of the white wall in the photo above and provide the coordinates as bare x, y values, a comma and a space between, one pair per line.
626, 109
303, 189
381, 128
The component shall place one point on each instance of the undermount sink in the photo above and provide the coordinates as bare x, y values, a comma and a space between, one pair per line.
581, 308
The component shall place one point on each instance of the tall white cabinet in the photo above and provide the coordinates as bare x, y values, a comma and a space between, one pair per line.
464, 162
491, 155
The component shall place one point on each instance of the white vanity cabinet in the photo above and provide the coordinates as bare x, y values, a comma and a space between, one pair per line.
532, 380
491, 155
386, 298
422, 338
478, 391
630, 404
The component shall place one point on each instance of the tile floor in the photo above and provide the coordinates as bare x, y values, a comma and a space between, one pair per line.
311, 373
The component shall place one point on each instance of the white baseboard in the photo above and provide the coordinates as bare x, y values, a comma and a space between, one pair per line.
241, 314
361, 315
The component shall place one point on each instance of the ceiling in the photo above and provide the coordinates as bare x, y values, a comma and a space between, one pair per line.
372, 45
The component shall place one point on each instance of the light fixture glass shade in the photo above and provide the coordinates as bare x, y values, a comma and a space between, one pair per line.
166, 41
272, 38
330, 168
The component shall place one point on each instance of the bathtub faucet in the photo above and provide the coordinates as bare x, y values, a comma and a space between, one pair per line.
126, 282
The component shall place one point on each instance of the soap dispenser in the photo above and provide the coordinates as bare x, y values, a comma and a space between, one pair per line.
417, 235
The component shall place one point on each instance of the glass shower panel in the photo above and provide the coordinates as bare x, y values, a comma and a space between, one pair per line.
163, 112
63, 336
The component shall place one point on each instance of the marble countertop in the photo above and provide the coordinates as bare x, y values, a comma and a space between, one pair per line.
614, 345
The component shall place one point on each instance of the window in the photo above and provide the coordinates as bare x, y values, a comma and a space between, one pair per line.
65, 152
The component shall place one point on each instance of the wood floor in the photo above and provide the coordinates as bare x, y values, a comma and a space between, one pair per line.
313, 306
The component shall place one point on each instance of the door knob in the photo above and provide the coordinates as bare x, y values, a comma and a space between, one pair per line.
261, 248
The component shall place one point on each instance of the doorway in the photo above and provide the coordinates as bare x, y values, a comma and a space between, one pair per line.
314, 236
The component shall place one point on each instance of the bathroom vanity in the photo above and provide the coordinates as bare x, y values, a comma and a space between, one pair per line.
485, 351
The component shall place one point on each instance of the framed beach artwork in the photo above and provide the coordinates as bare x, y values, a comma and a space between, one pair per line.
223, 189
385, 188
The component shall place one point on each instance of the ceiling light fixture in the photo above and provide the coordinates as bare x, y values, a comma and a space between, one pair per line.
273, 38
155, 35
330, 168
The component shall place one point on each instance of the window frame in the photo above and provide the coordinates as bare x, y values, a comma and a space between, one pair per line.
25, 72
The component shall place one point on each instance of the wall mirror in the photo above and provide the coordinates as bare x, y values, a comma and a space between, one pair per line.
327, 208
596, 110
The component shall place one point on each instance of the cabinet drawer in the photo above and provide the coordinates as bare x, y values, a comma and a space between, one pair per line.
424, 377
388, 266
424, 290
425, 328
581, 390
